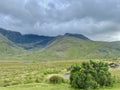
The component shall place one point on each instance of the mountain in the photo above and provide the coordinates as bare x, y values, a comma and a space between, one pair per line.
109, 50
67, 48
62, 47
80, 36
7, 47
27, 41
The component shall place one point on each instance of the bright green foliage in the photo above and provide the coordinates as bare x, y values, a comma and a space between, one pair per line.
90, 75
56, 79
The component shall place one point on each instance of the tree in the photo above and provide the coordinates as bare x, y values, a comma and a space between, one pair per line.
90, 75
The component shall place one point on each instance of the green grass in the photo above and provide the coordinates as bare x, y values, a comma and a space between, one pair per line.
52, 87
23, 75
116, 86
40, 87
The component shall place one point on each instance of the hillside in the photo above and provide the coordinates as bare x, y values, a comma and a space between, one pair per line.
109, 50
8, 48
68, 46
27, 41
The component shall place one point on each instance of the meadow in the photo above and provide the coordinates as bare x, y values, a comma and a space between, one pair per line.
31, 75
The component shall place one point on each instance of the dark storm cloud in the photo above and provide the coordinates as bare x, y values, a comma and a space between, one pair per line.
98, 19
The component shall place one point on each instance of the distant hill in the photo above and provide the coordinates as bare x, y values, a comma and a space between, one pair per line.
109, 50
27, 41
80, 36
7, 47
68, 46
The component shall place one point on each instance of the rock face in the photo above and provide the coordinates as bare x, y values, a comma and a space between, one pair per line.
114, 65
77, 36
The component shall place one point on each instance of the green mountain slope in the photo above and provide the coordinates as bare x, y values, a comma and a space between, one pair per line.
8, 48
109, 50
67, 47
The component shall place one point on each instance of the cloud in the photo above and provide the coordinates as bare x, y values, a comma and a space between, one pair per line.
97, 19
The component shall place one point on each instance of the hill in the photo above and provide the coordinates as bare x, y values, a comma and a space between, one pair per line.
7, 47
27, 41
109, 50
80, 36
68, 46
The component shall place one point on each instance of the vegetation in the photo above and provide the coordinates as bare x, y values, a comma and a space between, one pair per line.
27, 61
66, 47
55, 79
8, 48
34, 75
17, 73
90, 75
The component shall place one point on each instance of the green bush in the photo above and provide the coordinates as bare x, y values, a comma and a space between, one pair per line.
55, 79
90, 75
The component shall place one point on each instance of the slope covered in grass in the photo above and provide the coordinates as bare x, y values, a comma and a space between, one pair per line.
8, 48
67, 47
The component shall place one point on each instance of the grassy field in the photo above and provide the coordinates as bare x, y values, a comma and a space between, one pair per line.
34, 75
39, 87
51, 87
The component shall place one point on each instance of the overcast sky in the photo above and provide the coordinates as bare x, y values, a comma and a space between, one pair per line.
97, 19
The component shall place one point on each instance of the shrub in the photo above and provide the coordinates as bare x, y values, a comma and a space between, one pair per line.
55, 79
90, 75
38, 79
50, 71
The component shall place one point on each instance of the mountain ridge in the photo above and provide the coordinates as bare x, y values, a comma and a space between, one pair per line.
22, 40
62, 47
29, 41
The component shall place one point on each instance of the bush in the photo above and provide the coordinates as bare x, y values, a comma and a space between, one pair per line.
56, 79
90, 75
50, 71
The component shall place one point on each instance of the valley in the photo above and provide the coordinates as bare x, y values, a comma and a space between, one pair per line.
59, 45
27, 61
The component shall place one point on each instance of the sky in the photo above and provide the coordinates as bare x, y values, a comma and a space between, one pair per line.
97, 19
